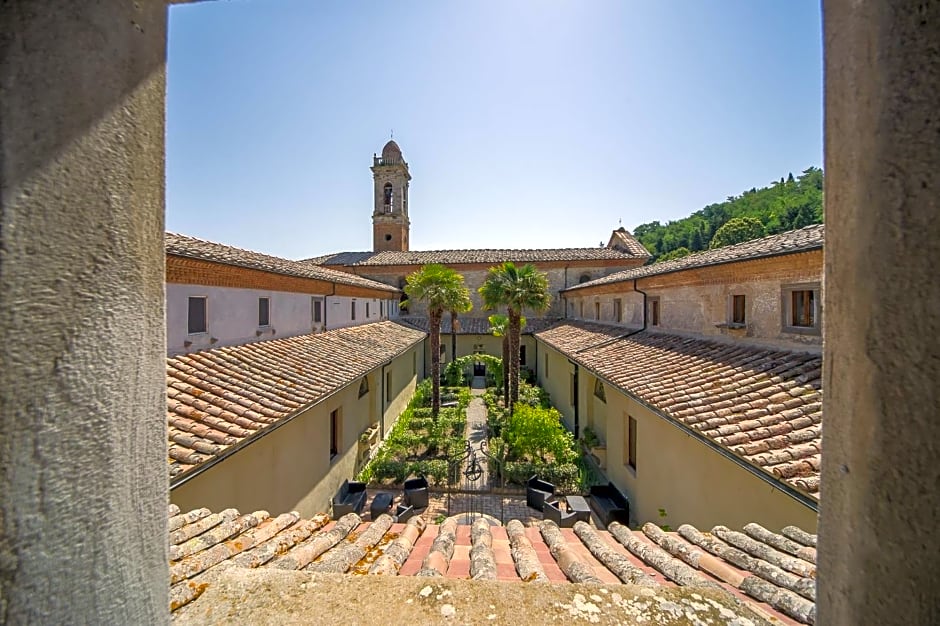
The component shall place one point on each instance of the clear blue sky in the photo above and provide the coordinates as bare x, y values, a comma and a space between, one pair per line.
525, 124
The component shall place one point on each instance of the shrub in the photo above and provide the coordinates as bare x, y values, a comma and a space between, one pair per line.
566, 476
536, 434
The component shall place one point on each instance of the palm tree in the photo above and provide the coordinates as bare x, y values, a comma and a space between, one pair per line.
460, 302
517, 289
499, 326
438, 287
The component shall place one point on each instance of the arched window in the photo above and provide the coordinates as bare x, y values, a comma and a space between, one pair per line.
584, 278
388, 197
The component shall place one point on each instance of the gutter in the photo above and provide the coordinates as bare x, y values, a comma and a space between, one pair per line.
202, 467
696, 267
757, 471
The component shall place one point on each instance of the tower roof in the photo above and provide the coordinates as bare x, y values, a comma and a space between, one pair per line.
391, 152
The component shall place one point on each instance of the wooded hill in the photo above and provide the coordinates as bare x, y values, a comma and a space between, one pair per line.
787, 204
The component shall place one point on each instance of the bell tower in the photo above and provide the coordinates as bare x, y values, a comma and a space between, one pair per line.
390, 222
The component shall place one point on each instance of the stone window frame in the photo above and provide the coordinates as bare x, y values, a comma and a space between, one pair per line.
317, 314
205, 315
786, 308
654, 305
733, 322
629, 442
264, 311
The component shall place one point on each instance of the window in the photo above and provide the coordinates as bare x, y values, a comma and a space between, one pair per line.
381, 309
367, 310
599, 390
352, 310
630, 433
198, 322
801, 309
618, 310
317, 310
738, 315
363, 386
521, 355
597, 310
654, 311
388, 198
335, 432
264, 311
584, 278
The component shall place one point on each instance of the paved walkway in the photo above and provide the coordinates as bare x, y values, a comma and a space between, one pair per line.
476, 434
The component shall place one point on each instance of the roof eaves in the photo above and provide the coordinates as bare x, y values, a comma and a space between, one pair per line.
182, 478
761, 473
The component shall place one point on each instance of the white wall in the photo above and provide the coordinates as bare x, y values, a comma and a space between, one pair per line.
233, 315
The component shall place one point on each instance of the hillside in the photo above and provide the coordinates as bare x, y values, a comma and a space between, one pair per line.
787, 204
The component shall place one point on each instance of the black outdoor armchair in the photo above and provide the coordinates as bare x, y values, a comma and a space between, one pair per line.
416, 492
553, 512
537, 491
350, 498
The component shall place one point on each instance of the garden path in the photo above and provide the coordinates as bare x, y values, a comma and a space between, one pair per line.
476, 433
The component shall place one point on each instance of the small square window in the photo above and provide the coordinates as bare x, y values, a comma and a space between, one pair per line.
264, 311
198, 321
801, 309
738, 310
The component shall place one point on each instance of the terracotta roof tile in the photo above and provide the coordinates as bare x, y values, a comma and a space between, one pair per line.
791, 242
486, 256
220, 398
193, 248
722, 390
773, 573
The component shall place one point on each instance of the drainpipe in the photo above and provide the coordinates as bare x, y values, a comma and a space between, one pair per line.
575, 399
326, 307
625, 335
382, 406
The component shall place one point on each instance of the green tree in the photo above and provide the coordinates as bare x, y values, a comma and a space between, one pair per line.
536, 434
516, 288
459, 303
435, 285
499, 326
736, 230
678, 253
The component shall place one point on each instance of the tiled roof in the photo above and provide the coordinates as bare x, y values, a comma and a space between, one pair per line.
473, 256
190, 247
473, 325
772, 573
622, 239
220, 398
764, 405
802, 240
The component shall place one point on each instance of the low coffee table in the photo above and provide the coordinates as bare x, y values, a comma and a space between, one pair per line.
580, 507
381, 503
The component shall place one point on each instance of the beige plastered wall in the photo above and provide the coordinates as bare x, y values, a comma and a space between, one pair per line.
290, 468
676, 472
